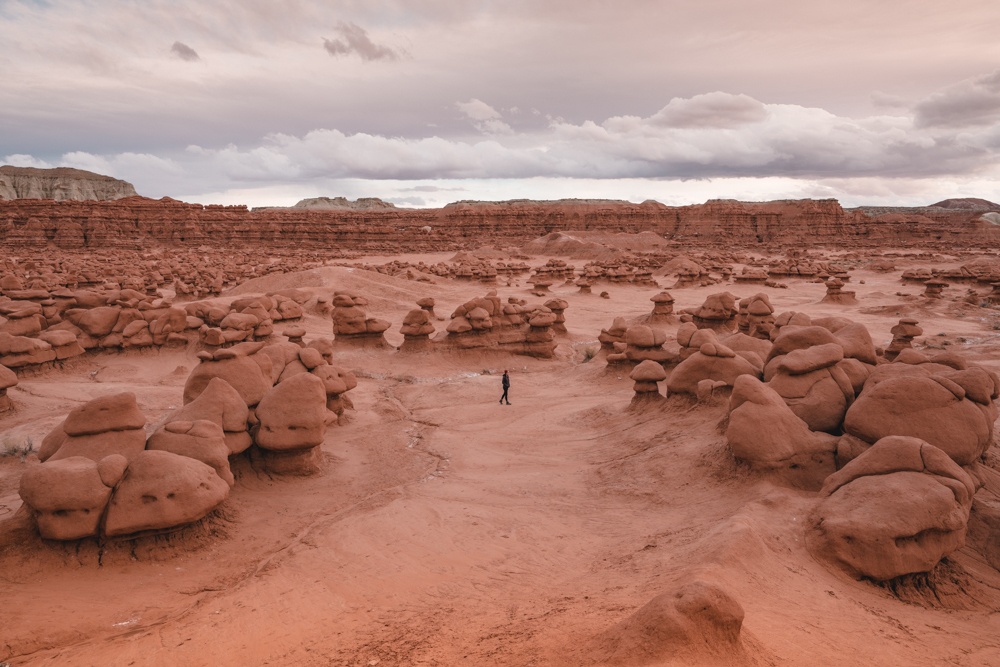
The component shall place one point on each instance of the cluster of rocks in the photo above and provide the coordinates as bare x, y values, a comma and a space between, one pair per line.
636, 343
38, 326
688, 272
752, 275
43, 326
885, 440
886, 437
708, 364
187, 273
463, 266
633, 270
552, 271
982, 270
100, 475
487, 323
351, 324
718, 312
247, 318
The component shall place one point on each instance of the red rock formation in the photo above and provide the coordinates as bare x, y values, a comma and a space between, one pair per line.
137, 222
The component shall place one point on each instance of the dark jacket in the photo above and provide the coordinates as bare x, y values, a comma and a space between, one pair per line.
505, 381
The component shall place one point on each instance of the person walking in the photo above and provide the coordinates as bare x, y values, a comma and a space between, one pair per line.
505, 383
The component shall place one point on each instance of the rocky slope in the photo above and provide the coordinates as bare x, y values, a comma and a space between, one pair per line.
137, 222
61, 184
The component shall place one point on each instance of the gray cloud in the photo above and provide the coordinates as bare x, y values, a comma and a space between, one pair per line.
971, 103
354, 39
788, 142
184, 52
711, 110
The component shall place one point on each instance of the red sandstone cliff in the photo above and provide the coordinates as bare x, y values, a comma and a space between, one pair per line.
137, 222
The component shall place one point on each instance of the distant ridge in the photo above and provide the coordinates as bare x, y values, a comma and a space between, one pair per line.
329, 203
968, 204
549, 202
61, 184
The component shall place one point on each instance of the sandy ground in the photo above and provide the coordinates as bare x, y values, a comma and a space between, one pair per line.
447, 529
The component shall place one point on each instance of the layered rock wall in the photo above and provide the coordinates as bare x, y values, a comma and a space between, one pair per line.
137, 222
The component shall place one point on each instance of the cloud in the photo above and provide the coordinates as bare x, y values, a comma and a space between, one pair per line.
20, 160
711, 110
408, 201
709, 137
971, 103
484, 118
184, 52
786, 141
354, 39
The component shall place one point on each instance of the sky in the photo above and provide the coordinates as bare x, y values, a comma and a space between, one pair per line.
425, 102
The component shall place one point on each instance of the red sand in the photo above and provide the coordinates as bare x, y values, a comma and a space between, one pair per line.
447, 529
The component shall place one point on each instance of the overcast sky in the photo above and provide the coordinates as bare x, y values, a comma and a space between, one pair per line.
431, 101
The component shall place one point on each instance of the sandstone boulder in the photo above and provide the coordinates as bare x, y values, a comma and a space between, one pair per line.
243, 373
116, 412
898, 508
814, 386
162, 490
932, 408
223, 405
68, 497
712, 361
767, 434
291, 415
203, 440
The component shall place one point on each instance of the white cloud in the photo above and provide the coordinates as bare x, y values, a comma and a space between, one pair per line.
18, 160
483, 117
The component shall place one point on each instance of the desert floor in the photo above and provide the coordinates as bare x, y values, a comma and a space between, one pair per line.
447, 529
